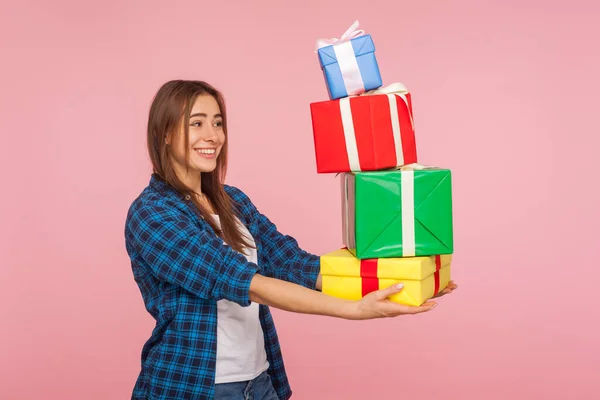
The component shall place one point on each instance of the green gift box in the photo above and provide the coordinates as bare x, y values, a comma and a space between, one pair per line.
404, 212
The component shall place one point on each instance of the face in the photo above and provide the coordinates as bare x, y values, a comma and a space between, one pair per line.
206, 137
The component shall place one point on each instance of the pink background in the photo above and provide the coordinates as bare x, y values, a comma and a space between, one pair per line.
505, 94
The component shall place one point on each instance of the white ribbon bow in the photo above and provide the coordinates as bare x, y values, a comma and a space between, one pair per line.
394, 88
415, 167
350, 33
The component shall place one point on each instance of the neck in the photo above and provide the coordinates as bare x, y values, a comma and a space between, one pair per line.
190, 178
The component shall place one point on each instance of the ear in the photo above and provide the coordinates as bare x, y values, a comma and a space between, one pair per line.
168, 139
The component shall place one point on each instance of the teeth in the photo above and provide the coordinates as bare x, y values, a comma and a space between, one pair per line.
206, 151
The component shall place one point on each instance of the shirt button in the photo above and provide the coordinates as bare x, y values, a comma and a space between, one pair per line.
187, 197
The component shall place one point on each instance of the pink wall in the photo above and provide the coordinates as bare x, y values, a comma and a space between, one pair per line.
505, 94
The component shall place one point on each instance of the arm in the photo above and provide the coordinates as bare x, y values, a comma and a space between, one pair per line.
291, 297
176, 251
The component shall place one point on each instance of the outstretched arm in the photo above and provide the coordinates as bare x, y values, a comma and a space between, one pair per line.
291, 297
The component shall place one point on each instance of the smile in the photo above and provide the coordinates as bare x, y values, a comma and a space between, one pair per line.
206, 151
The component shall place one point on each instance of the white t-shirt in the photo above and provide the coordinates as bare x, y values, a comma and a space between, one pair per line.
241, 354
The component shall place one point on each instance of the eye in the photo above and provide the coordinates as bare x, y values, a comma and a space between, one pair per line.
196, 124
219, 123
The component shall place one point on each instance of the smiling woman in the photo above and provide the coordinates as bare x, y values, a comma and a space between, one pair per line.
187, 122
195, 147
209, 265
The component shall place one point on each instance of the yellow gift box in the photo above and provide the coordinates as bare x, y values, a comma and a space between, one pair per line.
348, 277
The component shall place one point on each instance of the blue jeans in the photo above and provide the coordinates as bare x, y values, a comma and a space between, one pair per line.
260, 388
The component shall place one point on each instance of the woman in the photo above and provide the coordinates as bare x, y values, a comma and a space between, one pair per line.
209, 264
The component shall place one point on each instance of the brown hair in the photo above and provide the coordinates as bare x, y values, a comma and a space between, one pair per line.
172, 106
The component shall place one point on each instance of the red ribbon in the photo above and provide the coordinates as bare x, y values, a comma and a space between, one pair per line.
368, 274
436, 274
370, 282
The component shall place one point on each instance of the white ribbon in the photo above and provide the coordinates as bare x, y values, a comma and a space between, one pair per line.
346, 216
349, 134
353, 82
396, 129
393, 90
350, 33
407, 189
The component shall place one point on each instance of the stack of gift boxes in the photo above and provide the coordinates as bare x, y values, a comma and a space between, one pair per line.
396, 213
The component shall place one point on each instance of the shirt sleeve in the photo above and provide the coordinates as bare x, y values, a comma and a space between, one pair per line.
177, 251
282, 257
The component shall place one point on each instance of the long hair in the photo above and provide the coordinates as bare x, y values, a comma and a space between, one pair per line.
171, 107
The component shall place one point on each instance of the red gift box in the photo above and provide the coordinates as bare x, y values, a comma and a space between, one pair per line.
369, 132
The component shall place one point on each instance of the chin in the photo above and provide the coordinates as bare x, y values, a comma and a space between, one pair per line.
206, 167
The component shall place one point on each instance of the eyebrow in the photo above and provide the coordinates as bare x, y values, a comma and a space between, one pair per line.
204, 115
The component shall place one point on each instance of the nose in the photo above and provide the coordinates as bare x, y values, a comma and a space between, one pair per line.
211, 134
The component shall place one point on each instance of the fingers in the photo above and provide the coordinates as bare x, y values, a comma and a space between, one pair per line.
383, 294
450, 288
447, 290
393, 309
443, 292
427, 306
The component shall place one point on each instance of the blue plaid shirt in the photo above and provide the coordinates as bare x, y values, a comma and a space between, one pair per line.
182, 268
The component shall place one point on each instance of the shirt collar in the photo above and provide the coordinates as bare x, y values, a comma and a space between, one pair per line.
157, 182
160, 185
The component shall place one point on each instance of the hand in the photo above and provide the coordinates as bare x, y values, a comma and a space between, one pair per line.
451, 286
377, 305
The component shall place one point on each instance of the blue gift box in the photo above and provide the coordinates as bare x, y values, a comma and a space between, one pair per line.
364, 52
